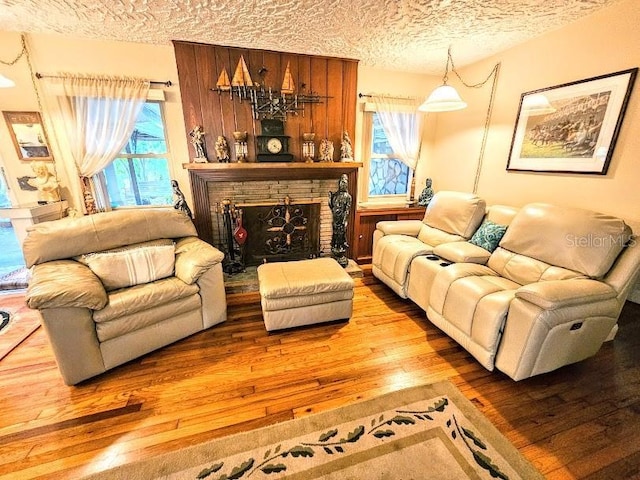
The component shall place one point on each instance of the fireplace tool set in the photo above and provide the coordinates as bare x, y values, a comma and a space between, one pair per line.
232, 237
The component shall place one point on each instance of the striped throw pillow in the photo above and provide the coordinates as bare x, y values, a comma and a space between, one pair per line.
133, 264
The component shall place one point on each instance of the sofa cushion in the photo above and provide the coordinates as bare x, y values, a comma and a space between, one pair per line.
132, 265
580, 240
488, 235
458, 213
129, 301
72, 236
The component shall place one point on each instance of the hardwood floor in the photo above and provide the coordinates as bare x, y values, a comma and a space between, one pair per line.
581, 421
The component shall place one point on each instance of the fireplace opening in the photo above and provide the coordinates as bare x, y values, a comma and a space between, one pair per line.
280, 232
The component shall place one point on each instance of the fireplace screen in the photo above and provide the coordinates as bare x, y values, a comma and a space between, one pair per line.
281, 232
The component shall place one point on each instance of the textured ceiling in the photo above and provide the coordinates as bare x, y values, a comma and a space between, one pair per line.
411, 35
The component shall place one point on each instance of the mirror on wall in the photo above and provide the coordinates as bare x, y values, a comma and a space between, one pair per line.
28, 135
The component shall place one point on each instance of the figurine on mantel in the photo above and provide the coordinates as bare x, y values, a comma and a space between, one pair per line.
346, 150
222, 150
426, 195
46, 183
326, 150
197, 140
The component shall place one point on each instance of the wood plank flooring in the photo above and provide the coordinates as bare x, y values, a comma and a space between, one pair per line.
580, 422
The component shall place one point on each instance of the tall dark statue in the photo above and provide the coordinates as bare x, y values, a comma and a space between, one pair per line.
340, 204
180, 202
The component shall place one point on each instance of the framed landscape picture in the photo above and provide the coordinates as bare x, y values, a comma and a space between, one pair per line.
578, 129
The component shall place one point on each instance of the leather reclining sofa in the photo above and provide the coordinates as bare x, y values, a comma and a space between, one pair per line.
113, 286
546, 294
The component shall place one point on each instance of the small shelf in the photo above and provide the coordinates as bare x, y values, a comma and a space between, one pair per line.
234, 172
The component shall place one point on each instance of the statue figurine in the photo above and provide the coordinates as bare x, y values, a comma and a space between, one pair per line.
180, 202
426, 195
222, 150
326, 150
340, 204
45, 182
346, 150
197, 140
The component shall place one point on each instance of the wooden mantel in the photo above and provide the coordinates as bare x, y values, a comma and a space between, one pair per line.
200, 174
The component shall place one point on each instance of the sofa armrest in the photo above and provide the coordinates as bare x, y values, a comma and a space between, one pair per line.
400, 227
194, 257
462, 252
65, 284
554, 294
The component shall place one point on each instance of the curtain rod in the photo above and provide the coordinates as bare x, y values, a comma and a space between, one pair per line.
360, 95
152, 82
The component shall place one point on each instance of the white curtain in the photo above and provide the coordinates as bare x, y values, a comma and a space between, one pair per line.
99, 116
402, 124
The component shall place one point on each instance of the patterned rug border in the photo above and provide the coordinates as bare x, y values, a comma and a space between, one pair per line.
188, 457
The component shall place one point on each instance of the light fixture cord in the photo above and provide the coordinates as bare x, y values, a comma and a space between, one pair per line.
19, 56
25, 52
487, 121
475, 85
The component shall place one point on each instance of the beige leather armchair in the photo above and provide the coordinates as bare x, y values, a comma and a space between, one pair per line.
450, 217
114, 286
549, 295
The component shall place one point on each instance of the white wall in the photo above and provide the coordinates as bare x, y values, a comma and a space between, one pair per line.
605, 42
51, 54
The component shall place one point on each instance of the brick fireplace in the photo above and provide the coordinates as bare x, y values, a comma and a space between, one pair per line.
247, 184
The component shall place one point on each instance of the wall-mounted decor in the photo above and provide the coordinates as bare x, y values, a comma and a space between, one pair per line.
226, 90
579, 135
28, 136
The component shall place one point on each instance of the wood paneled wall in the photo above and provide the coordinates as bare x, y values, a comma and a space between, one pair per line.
200, 65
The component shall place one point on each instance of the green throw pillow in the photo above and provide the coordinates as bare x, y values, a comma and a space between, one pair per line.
488, 236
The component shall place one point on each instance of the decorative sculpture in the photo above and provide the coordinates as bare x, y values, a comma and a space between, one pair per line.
180, 202
326, 150
426, 194
197, 140
222, 150
46, 183
340, 204
346, 149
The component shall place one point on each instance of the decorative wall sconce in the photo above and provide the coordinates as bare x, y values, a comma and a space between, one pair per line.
240, 146
308, 147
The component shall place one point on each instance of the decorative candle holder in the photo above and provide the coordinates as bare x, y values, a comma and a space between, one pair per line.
308, 147
240, 146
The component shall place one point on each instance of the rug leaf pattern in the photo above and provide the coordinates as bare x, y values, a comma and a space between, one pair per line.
280, 460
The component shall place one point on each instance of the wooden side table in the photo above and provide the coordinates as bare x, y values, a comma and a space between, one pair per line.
365, 224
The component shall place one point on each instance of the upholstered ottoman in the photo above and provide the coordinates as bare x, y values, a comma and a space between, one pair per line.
304, 292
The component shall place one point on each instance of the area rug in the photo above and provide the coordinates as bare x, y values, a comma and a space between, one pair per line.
425, 432
18, 326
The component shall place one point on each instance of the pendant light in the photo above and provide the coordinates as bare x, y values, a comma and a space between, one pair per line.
445, 98
6, 82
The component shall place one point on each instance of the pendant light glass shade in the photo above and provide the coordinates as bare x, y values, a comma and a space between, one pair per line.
537, 104
6, 82
445, 98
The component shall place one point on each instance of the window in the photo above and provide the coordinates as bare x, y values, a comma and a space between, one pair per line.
140, 174
387, 177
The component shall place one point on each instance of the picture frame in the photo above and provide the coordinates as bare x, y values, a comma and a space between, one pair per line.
28, 136
577, 131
